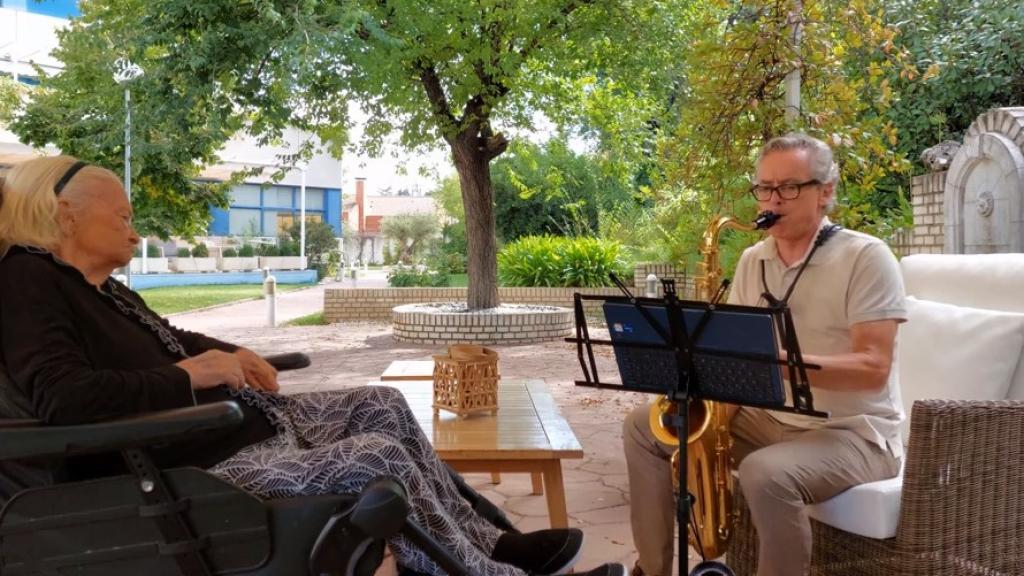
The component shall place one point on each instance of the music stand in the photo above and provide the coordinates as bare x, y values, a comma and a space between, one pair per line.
680, 327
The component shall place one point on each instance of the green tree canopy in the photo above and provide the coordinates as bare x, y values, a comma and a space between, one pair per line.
410, 232
81, 110
972, 57
439, 72
10, 98
448, 196
320, 243
734, 101
550, 189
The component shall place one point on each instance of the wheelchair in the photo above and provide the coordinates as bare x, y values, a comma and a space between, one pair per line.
183, 521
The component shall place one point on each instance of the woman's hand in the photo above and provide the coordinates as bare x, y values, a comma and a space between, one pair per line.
213, 368
259, 374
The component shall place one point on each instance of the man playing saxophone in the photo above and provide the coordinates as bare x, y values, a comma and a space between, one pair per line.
846, 307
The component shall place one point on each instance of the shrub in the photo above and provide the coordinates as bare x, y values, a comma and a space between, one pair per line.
532, 261
560, 261
589, 261
268, 250
321, 246
153, 251
450, 263
201, 251
229, 253
246, 251
184, 252
411, 276
287, 247
388, 255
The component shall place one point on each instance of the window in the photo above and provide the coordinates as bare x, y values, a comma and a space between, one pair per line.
277, 197
314, 199
245, 195
243, 221
285, 220
270, 222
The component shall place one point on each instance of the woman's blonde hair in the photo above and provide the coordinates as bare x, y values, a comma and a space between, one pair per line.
28, 203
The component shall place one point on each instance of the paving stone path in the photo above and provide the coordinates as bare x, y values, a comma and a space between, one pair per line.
350, 354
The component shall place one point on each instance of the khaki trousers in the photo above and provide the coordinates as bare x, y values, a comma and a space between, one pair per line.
781, 469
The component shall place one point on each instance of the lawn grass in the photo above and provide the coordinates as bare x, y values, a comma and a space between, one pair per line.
172, 299
315, 319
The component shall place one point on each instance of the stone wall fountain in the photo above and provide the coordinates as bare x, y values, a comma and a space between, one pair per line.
984, 189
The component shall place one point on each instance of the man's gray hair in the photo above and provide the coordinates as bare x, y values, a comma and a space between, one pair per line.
823, 167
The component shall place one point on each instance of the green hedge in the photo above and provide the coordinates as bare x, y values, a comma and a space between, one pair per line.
560, 262
409, 276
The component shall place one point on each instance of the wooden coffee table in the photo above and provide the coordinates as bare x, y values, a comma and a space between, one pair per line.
528, 435
423, 370
409, 370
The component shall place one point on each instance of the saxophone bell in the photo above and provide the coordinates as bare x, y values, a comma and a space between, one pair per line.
766, 220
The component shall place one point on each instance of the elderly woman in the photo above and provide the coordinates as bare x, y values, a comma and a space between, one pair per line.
82, 347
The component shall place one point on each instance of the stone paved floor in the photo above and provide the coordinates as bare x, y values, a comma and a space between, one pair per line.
351, 354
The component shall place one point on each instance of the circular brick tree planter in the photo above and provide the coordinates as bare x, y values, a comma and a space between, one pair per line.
447, 322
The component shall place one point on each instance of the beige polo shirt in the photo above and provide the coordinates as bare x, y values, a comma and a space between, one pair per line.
852, 278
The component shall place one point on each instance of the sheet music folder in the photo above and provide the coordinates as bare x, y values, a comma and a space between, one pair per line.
735, 355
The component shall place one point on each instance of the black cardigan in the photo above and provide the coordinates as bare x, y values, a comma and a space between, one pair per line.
77, 358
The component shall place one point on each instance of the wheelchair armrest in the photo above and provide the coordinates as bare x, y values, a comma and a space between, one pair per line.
39, 441
289, 361
19, 423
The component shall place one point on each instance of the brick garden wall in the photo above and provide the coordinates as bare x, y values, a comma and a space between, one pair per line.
927, 193
521, 328
341, 304
684, 282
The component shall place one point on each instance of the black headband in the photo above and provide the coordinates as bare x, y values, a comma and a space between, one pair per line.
68, 176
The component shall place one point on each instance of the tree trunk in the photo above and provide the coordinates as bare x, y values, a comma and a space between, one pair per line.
472, 162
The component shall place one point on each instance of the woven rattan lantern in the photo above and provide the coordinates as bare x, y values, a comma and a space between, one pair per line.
466, 380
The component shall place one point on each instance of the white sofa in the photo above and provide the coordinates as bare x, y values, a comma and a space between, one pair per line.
962, 343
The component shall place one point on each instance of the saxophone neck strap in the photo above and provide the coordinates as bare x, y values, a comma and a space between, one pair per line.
824, 235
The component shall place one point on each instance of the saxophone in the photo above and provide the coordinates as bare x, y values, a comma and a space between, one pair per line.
709, 445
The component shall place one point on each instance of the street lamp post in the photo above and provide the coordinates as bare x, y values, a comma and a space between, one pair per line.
302, 217
124, 72
793, 77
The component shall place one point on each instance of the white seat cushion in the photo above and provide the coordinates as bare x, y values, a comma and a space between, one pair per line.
990, 281
956, 353
871, 510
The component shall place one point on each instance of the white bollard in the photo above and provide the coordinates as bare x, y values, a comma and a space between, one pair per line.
270, 293
651, 290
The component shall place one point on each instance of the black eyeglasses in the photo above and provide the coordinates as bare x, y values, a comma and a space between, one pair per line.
763, 193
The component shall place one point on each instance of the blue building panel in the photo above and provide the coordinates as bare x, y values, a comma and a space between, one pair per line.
218, 222
332, 209
221, 220
56, 8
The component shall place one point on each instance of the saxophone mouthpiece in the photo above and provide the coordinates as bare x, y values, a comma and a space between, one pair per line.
766, 220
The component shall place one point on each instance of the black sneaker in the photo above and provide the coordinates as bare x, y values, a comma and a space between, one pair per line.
610, 569
543, 552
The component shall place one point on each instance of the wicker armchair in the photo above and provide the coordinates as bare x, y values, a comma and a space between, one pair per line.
962, 503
